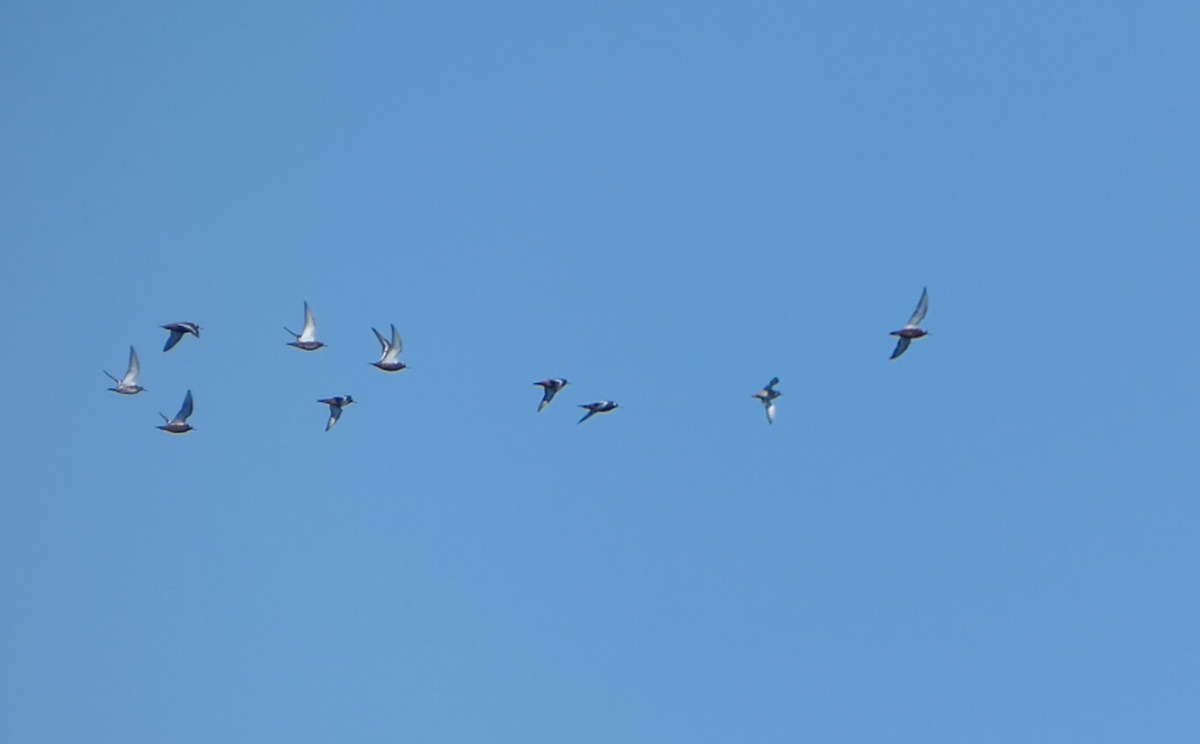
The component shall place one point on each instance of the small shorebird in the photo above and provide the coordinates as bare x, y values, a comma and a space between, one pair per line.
767, 397
306, 339
549, 389
336, 403
390, 359
912, 329
603, 406
127, 385
177, 330
179, 424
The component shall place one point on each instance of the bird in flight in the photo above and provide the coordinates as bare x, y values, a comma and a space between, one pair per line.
603, 406
127, 385
767, 397
912, 329
306, 339
336, 403
390, 360
179, 424
549, 389
177, 331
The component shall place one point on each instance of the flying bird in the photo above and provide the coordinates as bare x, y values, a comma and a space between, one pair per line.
336, 403
390, 359
127, 385
179, 424
306, 339
549, 389
767, 397
177, 331
912, 329
603, 406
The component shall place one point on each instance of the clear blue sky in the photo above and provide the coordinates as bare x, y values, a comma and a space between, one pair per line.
992, 539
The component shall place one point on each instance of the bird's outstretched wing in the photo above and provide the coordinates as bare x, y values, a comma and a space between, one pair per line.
548, 392
770, 412
382, 341
173, 339
901, 347
922, 308
309, 331
186, 411
335, 413
135, 369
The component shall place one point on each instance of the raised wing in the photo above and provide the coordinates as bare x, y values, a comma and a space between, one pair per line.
184, 412
397, 345
309, 331
919, 314
134, 370
901, 347
382, 341
173, 339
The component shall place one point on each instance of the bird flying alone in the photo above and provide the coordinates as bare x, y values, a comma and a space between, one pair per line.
306, 339
390, 359
549, 389
767, 397
179, 424
336, 403
603, 406
912, 329
127, 385
177, 332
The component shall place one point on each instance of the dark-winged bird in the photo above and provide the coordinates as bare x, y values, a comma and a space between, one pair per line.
390, 359
603, 406
127, 385
179, 424
177, 330
912, 329
336, 403
549, 389
306, 339
767, 397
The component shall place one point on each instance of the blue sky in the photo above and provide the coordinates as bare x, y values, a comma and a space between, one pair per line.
992, 539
